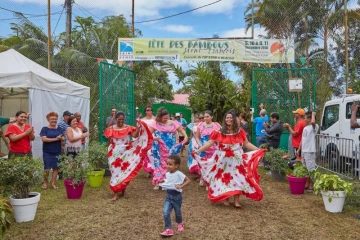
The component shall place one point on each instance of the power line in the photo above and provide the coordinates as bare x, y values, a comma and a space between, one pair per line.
80, 7
12, 11
35, 16
194, 9
58, 20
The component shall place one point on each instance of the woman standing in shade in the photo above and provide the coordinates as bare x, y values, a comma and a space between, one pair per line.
193, 165
164, 131
230, 172
244, 124
52, 138
124, 156
203, 133
20, 134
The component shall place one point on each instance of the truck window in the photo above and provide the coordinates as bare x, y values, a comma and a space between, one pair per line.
331, 116
348, 111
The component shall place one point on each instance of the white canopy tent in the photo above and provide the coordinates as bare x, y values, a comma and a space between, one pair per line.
26, 85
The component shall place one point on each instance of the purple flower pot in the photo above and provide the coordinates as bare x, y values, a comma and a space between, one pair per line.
297, 185
74, 192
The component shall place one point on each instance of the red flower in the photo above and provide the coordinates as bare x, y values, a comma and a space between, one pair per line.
216, 158
213, 169
229, 153
117, 163
129, 146
211, 192
221, 146
245, 156
203, 159
219, 173
241, 169
226, 178
125, 165
137, 150
110, 152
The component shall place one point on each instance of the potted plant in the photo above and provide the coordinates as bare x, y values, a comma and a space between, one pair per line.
18, 175
277, 164
74, 171
333, 190
97, 159
6, 211
297, 178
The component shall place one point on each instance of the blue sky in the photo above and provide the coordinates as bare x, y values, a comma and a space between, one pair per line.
225, 18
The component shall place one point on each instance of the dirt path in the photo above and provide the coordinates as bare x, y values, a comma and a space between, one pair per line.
278, 216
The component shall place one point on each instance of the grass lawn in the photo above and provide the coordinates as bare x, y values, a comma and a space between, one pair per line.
279, 215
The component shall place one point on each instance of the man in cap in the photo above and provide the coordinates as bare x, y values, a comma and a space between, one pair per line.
63, 124
260, 131
296, 133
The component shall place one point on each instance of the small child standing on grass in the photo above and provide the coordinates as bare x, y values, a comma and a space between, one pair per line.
174, 182
308, 146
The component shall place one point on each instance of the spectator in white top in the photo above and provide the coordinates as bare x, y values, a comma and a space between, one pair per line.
308, 146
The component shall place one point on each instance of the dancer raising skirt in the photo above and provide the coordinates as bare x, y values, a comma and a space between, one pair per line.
193, 165
230, 172
124, 156
164, 131
203, 133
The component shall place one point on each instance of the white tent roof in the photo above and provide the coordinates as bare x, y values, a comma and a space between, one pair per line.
17, 71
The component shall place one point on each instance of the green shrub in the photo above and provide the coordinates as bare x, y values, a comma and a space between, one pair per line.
19, 174
276, 161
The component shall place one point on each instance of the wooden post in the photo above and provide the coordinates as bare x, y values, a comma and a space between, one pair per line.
346, 46
49, 36
132, 19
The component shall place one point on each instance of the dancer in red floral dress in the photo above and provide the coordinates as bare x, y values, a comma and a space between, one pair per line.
230, 171
125, 156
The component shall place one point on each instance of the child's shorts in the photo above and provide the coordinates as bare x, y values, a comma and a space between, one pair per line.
308, 160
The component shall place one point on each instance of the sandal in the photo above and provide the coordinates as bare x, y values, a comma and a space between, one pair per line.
44, 187
54, 187
310, 190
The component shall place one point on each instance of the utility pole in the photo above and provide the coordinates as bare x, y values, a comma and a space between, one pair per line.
346, 46
49, 36
132, 19
252, 20
68, 5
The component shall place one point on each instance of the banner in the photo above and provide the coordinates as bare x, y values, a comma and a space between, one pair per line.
233, 50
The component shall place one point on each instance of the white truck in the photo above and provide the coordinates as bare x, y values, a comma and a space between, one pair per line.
338, 142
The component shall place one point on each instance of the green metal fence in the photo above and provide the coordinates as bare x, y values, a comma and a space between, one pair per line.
271, 87
116, 91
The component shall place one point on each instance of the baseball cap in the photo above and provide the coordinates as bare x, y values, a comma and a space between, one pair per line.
67, 113
177, 115
300, 111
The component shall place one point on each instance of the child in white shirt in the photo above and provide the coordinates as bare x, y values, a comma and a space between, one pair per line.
308, 146
174, 182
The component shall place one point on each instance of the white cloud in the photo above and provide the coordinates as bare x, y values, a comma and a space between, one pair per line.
145, 9
240, 32
177, 28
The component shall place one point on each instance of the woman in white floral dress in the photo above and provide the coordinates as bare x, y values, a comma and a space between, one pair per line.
230, 171
125, 156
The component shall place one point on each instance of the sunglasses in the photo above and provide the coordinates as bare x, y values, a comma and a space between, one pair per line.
148, 110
